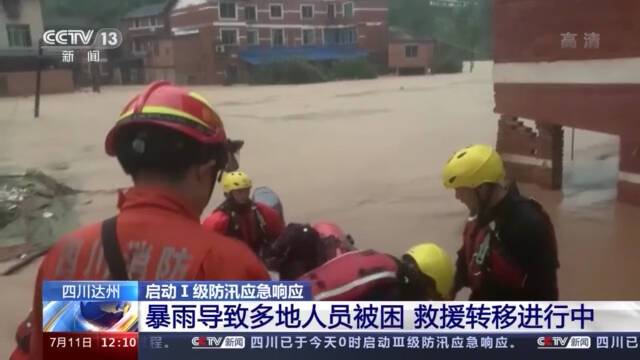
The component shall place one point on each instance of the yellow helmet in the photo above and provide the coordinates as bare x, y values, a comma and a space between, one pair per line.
472, 167
434, 262
236, 180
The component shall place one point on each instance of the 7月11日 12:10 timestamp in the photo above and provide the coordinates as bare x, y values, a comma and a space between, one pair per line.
71, 346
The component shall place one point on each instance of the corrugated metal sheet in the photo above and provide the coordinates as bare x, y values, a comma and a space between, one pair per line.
266, 55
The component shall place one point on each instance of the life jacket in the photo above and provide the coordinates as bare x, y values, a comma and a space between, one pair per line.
486, 258
233, 229
23, 334
356, 275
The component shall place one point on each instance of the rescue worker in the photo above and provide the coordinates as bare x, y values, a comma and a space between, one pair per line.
424, 272
173, 145
509, 249
254, 223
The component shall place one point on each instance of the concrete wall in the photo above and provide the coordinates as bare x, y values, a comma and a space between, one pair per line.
397, 58
30, 14
24, 83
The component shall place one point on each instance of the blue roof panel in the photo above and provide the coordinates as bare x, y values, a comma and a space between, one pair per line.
257, 56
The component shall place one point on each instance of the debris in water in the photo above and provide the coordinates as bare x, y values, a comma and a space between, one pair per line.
35, 210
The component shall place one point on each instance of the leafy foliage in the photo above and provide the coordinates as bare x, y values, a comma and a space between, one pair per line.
103, 13
354, 69
293, 71
466, 26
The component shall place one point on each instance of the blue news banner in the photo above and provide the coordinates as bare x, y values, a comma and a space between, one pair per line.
243, 320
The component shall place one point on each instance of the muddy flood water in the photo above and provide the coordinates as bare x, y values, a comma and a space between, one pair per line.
366, 154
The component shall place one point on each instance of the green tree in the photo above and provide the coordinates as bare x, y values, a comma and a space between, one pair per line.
103, 13
466, 26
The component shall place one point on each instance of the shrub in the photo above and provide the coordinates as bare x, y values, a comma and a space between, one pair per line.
447, 59
293, 71
354, 69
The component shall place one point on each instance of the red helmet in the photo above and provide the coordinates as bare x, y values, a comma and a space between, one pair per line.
327, 229
173, 107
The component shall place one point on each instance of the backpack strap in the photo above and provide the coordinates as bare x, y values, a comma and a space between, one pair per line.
112, 253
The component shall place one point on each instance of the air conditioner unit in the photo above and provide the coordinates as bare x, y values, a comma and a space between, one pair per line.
220, 49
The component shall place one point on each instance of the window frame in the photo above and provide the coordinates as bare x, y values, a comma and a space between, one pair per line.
284, 37
25, 35
235, 8
407, 52
257, 38
255, 12
344, 8
302, 7
313, 36
273, 5
235, 36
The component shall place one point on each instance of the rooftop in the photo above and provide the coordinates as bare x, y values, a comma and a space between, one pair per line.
146, 11
397, 34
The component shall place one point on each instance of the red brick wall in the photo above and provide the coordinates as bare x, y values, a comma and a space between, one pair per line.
24, 83
531, 157
165, 56
629, 184
189, 69
367, 17
398, 59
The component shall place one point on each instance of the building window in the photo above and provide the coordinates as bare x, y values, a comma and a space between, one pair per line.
136, 23
277, 37
307, 11
228, 37
227, 10
19, 35
347, 10
275, 11
331, 11
250, 13
252, 37
156, 48
340, 36
137, 45
411, 51
308, 37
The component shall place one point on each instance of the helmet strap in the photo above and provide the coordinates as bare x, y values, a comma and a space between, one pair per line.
484, 203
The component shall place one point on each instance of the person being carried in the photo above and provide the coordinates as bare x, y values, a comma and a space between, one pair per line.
509, 249
253, 223
303, 247
173, 145
338, 271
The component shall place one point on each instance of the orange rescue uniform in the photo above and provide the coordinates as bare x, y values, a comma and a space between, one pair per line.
161, 239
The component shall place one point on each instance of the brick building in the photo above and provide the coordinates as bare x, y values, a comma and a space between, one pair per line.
224, 38
408, 54
147, 49
21, 28
556, 70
